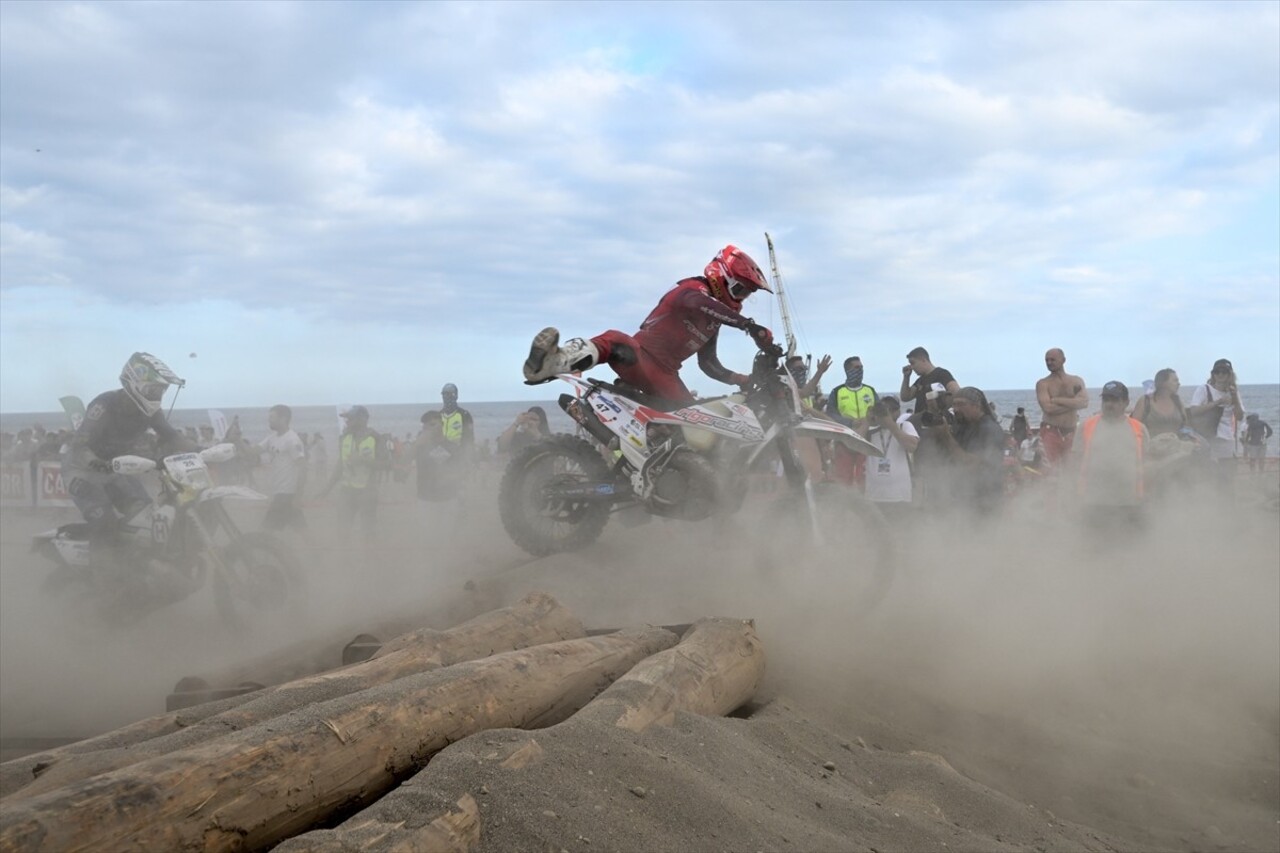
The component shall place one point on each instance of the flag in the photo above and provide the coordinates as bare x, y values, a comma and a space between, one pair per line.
74, 407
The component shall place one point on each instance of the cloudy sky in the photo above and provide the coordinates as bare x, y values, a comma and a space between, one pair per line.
335, 202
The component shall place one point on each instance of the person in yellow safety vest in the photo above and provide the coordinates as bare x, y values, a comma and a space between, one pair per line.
1111, 465
459, 434
851, 403
354, 473
456, 424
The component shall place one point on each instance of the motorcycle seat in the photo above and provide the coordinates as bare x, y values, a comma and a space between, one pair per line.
631, 392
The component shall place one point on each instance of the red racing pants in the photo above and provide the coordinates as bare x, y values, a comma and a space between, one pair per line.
638, 367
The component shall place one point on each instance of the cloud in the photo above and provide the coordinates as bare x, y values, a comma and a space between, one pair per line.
498, 166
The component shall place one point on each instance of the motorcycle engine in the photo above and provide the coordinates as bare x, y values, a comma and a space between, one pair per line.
686, 489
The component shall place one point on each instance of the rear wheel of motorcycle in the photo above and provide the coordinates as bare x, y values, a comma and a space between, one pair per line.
542, 525
262, 569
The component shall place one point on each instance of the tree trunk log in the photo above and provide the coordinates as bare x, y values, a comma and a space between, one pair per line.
535, 620
715, 669
455, 831
254, 788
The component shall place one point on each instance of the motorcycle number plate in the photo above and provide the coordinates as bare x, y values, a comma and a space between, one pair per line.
189, 469
184, 462
607, 413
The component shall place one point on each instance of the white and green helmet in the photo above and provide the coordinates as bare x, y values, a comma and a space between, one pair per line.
145, 379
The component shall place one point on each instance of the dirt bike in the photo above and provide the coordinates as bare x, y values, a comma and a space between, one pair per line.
676, 460
174, 545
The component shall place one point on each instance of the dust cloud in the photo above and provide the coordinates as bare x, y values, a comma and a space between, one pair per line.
1128, 680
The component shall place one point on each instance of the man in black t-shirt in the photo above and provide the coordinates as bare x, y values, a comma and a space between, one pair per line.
931, 409
918, 362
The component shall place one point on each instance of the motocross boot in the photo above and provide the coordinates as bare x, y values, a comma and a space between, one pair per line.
547, 359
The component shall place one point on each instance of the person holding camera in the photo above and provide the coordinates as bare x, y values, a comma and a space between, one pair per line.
929, 469
1220, 398
889, 477
974, 448
528, 428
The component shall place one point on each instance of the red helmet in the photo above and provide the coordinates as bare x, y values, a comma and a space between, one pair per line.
734, 276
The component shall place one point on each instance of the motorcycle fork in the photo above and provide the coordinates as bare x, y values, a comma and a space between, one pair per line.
220, 518
799, 481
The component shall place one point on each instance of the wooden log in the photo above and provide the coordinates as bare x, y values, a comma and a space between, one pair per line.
536, 619
457, 830
254, 788
715, 669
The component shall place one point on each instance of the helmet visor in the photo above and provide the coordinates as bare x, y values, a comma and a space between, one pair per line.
738, 289
153, 391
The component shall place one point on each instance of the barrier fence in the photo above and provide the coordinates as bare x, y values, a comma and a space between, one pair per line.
22, 484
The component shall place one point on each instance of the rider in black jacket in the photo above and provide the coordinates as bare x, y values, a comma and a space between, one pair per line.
113, 423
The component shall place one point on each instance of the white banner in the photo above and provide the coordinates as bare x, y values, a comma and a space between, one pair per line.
219, 423
50, 489
15, 484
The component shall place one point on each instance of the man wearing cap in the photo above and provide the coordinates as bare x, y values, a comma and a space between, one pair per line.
1220, 393
1111, 465
1061, 397
354, 475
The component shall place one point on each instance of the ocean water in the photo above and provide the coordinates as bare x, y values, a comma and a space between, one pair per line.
491, 418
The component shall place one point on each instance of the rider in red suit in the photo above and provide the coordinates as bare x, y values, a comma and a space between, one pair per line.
686, 321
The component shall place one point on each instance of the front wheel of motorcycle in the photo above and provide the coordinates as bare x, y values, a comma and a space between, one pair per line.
842, 528
255, 577
535, 511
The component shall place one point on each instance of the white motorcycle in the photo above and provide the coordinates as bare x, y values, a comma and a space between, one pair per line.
178, 541
684, 461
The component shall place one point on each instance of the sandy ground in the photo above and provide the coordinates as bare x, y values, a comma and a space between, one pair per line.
1024, 685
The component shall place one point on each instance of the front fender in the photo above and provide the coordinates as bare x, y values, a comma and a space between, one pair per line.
820, 428
243, 493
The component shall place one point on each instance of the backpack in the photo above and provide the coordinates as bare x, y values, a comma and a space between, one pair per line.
1206, 423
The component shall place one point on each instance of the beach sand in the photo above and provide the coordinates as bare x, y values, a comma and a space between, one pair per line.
1022, 686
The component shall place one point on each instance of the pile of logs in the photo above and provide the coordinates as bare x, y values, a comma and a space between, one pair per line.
251, 771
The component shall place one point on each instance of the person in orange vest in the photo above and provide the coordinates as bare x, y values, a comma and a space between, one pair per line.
1111, 464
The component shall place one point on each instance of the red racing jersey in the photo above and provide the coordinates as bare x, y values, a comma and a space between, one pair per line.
686, 321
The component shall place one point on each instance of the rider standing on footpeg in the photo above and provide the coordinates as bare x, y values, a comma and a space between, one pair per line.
112, 425
686, 321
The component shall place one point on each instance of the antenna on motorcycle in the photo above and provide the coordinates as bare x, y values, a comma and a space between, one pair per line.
174, 401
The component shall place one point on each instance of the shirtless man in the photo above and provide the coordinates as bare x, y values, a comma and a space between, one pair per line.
1061, 397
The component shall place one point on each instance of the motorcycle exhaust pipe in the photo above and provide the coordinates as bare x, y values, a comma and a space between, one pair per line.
585, 418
